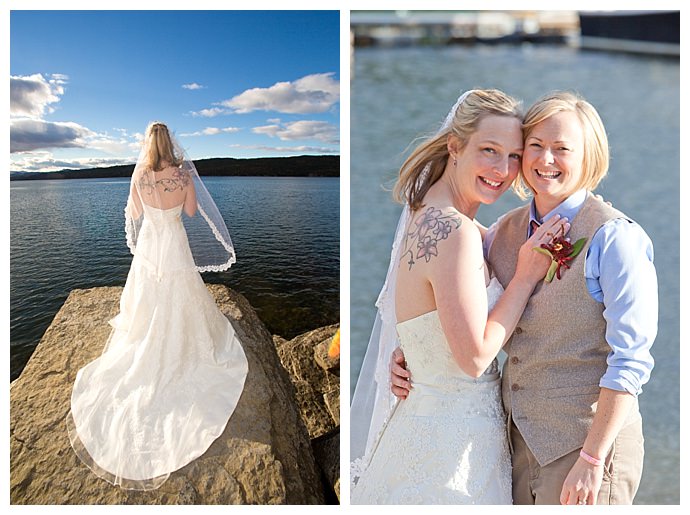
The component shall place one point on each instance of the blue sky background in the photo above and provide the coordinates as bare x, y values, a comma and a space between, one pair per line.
84, 84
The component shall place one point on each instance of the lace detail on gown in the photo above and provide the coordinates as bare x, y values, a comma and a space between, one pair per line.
446, 443
170, 375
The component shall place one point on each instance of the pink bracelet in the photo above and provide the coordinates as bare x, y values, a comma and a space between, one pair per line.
590, 459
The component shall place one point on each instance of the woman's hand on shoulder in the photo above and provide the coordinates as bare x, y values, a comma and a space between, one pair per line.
532, 266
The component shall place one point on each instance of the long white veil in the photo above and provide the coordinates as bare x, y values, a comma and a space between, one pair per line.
372, 402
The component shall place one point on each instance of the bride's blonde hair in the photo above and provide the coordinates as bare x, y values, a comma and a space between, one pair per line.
160, 147
411, 185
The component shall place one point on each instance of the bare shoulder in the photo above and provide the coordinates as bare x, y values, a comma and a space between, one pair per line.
177, 173
437, 234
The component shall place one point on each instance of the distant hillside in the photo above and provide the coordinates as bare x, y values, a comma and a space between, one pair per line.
297, 166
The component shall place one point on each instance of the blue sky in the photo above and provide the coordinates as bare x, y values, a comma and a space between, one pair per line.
84, 84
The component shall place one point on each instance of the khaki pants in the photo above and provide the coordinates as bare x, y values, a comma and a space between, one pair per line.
534, 484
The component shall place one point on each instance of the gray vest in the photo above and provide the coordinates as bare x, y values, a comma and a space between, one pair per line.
557, 353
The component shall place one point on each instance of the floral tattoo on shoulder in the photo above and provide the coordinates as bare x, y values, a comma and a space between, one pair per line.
180, 180
424, 233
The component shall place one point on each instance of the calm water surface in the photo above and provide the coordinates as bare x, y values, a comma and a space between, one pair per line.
68, 234
400, 94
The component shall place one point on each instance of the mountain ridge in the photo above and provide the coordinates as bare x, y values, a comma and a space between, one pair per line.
292, 166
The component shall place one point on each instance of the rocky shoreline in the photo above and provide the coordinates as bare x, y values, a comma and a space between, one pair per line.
281, 446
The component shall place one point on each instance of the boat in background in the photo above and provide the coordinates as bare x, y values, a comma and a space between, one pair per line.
647, 32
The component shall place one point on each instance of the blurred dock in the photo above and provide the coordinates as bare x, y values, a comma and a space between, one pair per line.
653, 32
401, 28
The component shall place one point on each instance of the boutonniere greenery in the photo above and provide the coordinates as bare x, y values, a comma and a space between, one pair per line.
561, 252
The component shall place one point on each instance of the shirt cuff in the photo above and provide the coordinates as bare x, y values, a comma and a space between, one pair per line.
620, 383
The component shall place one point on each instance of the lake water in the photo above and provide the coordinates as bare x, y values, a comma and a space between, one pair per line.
68, 234
400, 94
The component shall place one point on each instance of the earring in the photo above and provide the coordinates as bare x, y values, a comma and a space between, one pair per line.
455, 162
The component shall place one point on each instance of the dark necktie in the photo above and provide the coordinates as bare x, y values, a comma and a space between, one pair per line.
533, 225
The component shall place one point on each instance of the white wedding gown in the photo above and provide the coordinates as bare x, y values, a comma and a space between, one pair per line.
171, 373
446, 443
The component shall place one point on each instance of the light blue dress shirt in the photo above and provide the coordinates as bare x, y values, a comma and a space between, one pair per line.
620, 273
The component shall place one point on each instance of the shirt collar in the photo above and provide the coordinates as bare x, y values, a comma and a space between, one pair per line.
569, 208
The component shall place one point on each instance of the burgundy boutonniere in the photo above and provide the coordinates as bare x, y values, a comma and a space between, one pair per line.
561, 252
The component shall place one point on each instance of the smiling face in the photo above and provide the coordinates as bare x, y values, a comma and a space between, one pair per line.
553, 159
489, 162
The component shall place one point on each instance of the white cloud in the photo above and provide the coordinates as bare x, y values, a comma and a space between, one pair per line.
300, 149
214, 130
311, 94
59, 78
45, 162
301, 130
211, 131
211, 112
110, 145
27, 134
193, 85
270, 130
31, 95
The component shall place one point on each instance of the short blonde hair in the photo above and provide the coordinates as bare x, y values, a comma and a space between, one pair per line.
595, 162
411, 186
160, 147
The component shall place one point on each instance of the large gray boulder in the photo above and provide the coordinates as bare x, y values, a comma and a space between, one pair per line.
263, 457
316, 377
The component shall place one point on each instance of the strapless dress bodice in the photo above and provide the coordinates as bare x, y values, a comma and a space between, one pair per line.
158, 215
163, 246
446, 442
428, 355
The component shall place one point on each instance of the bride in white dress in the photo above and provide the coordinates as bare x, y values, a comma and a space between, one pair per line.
446, 442
172, 370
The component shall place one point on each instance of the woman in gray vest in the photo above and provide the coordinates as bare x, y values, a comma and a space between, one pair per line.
581, 351
447, 443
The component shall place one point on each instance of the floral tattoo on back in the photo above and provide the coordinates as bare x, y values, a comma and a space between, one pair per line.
180, 181
424, 233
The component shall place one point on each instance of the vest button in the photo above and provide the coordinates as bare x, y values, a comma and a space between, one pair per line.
518, 330
515, 387
514, 360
